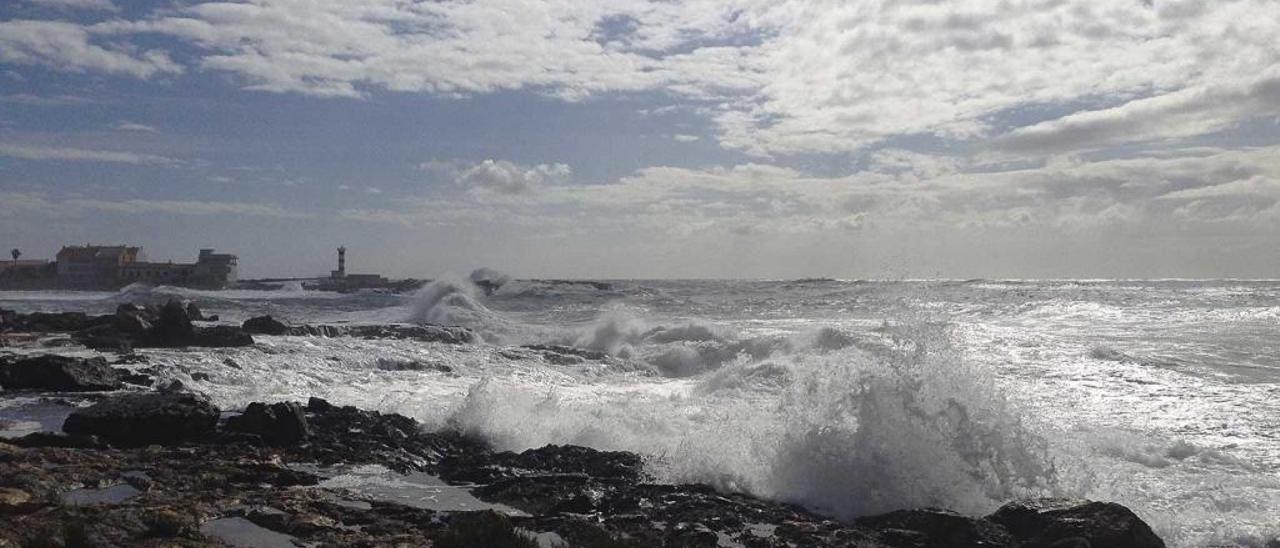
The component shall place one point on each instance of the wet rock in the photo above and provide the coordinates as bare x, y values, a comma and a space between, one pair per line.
194, 312
173, 327
52, 322
277, 424
131, 319
551, 459
422, 333
60, 373
13, 499
933, 528
550, 350
350, 435
319, 405
137, 379
142, 419
545, 494
1053, 522
412, 365
51, 439
264, 325
221, 336
316, 331
106, 338
231, 363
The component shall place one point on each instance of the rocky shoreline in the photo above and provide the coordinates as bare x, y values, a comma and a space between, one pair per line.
162, 466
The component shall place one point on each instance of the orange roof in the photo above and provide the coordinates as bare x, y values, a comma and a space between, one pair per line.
87, 253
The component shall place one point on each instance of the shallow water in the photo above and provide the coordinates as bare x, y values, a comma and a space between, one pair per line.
848, 397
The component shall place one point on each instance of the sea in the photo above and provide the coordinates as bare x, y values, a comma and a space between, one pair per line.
847, 397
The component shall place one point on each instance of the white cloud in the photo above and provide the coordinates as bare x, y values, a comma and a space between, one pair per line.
125, 125
69, 154
68, 46
507, 178
27, 203
683, 138
1187, 112
904, 193
44, 100
775, 77
93, 5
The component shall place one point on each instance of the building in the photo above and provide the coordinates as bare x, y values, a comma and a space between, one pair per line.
339, 280
27, 274
216, 269
110, 267
94, 266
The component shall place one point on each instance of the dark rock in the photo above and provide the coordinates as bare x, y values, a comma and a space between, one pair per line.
278, 424
138, 379
221, 336
933, 528
52, 322
132, 323
173, 326
265, 325
412, 365
422, 333
349, 435
545, 494
61, 373
13, 499
553, 351
316, 331
194, 312
231, 363
51, 439
143, 419
106, 338
551, 459
318, 405
1046, 522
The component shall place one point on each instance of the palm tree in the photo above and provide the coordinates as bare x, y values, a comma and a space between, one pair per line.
15, 253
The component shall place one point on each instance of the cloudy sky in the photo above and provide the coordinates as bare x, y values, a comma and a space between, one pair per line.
635, 138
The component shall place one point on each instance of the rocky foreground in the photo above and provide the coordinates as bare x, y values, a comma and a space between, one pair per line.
158, 467
165, 467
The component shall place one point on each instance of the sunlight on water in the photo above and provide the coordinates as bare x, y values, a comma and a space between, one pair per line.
850, 398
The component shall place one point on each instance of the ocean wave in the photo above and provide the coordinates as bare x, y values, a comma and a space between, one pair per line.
850, 433
692, 347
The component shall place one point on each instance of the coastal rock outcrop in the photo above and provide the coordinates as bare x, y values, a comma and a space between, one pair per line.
578, 495
278, 424
169, 326
59, 373
221, 336
1058, 522
935, 528
264, 325
48, 322
131, 420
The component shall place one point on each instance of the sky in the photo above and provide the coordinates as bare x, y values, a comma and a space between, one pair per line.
651, 139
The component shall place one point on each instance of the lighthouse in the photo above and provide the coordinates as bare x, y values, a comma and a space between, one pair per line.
341, 272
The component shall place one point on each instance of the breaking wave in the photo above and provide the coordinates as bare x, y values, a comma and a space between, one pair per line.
850, 432
451, 300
